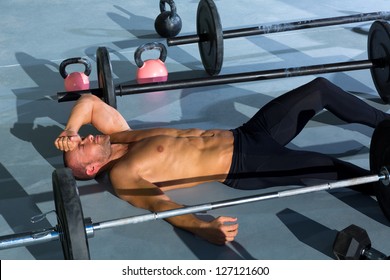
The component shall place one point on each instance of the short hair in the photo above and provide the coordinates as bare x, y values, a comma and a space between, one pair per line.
78, 169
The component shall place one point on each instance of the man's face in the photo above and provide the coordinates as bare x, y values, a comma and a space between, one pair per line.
91, 149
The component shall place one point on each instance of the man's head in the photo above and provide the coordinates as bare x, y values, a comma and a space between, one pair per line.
89, 156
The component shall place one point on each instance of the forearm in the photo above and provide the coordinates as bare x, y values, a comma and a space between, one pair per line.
188, 222
218, 231
80, 115
89, 109
155, 201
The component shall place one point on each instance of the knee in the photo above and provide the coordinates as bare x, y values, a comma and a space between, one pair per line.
324, 86
321, 81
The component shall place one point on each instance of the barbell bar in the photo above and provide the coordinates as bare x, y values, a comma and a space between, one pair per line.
378, 45
210, 35
61, 233
73, 230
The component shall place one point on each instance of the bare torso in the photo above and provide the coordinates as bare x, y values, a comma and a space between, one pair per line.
172, 162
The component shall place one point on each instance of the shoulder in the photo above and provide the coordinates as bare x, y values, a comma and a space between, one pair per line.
127, 166
124, 177
130, 186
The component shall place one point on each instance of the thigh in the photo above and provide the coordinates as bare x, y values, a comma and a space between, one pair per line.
285, 116
290, 167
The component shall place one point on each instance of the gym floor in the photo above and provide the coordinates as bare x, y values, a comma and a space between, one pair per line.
37, 35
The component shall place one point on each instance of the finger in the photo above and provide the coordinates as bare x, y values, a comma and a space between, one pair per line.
59, 144
233, 227
226, 240
231, 233
73, 142
70, 144
225, 219
230, 239
65, 144
62, 143
56, 143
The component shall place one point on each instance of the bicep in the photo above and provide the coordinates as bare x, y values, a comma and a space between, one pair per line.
106, 119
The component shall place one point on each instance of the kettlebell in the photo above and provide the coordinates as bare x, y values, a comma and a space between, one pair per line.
168, 23
151, 70
75, 80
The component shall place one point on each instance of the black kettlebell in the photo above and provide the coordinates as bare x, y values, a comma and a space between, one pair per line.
168, 23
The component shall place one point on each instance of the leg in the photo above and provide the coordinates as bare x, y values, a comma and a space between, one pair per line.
260, 162
308, 168
285, 116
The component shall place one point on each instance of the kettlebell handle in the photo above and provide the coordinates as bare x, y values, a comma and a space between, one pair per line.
150, 46
75, 60
171, 4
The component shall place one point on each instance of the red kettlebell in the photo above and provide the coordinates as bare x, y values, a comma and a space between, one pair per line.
151, 70
76, 80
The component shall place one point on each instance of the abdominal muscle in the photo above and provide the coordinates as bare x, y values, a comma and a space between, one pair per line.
180, 162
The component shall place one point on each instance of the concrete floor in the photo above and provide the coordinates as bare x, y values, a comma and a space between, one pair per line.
37, 35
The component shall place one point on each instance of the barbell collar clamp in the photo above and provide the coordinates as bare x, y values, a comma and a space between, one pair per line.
28, 238
385, 176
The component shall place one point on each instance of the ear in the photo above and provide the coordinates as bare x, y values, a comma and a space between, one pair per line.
91, 169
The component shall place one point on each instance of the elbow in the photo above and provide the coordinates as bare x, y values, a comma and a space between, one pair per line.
135, 202
151, 204
89, 99
129, 199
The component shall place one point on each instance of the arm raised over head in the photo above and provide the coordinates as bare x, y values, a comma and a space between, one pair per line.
90, 109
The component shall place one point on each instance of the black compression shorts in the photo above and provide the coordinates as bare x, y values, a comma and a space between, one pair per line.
260, 158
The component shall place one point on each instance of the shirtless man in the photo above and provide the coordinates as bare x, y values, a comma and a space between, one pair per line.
143, 164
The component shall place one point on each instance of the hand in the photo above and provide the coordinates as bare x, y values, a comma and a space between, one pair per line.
220, 231
67, 140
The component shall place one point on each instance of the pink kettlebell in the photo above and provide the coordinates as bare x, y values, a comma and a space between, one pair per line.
151, 70
76, 80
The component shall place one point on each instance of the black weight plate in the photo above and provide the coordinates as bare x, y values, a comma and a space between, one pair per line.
379, 49
70, 216
380, 157
350, 243
209, 30
104, 72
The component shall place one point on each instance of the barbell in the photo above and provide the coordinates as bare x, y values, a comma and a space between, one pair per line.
378, 45
73, 230
210, 37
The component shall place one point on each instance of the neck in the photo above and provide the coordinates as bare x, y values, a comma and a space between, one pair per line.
117, 152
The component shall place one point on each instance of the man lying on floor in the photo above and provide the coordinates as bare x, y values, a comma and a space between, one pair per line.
143, 164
